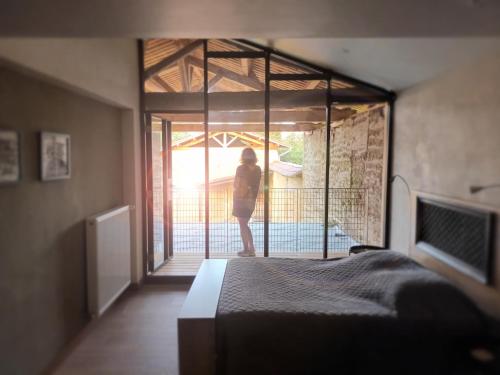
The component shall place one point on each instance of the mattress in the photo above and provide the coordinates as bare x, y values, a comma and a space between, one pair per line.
378, 310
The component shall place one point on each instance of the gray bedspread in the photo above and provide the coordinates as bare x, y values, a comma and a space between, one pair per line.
378, 308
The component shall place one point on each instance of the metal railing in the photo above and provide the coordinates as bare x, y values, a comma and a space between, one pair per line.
296, 220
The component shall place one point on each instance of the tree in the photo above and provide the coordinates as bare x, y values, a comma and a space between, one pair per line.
295, 142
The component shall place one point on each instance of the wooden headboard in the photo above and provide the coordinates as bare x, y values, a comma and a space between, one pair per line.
482, 285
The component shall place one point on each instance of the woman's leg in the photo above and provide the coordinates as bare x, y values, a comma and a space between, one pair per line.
251, 247
243, 232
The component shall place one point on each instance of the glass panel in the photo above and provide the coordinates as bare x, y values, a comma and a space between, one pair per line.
297, 167
283, 66
338, 85
357, 175
345, 90
184, 74
235, 75
155, 50
227, 45
346, 219
188, 197
157, 165
236, 122
299, 86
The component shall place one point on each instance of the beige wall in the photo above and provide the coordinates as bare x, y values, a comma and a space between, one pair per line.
446, 138
279, 181
103, 69
42, 229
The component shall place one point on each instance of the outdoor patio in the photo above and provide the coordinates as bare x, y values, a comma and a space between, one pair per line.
296, 227
286, 240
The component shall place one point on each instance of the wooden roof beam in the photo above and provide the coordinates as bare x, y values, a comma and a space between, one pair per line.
163, 84
312, 85
257, 117
252, 100
228, 74
172, 59
246, 128
213, 82
247, 66
184, 70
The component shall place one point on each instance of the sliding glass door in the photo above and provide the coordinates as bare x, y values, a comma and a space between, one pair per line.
298, 116
236, 125
158, 191
320, 140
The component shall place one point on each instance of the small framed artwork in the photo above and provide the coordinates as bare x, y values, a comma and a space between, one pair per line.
55, 156
10, 159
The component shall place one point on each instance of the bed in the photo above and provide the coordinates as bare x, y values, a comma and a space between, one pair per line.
371, 312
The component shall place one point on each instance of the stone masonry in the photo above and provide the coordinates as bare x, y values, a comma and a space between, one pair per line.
356, 161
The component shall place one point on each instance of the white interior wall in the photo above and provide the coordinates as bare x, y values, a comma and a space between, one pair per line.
446, 138
106, 70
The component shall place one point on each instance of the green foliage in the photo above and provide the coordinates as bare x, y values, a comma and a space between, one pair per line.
295, 141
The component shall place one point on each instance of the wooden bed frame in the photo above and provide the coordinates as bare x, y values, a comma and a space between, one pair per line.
196, 321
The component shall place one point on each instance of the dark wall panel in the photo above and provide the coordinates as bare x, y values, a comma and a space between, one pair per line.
42, 232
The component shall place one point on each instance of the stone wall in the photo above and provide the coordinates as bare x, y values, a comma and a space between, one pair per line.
313, 176
356, 161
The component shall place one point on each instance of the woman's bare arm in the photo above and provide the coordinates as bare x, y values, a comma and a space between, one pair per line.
237, 186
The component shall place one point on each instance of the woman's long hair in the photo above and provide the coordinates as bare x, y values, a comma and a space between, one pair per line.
248, 156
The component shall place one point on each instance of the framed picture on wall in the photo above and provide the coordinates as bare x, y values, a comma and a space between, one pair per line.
10, 156
55, 156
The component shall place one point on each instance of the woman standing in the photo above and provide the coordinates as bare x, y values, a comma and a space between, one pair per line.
245, 190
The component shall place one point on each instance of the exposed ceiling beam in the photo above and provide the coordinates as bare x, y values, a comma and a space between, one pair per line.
240, 46
257, 117
253, 75
282, 56
213, 82
247, 65
184, 71
237, 101
312, 85
169, 60
198, 74
246, 127
228, 74
214, 137
246, 137
162, 83
274, 58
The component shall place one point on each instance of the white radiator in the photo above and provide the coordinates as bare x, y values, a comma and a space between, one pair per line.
108, 258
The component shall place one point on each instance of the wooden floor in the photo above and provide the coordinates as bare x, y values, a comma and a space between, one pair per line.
138, 335
188, 264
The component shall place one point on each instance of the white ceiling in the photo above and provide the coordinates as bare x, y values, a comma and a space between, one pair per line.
392, 63
392, 43
250, 18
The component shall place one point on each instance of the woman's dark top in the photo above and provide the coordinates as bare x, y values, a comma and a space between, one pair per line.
247, 181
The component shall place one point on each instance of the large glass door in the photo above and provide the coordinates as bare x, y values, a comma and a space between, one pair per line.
298, 115
158, 191
236, 129
320, 140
